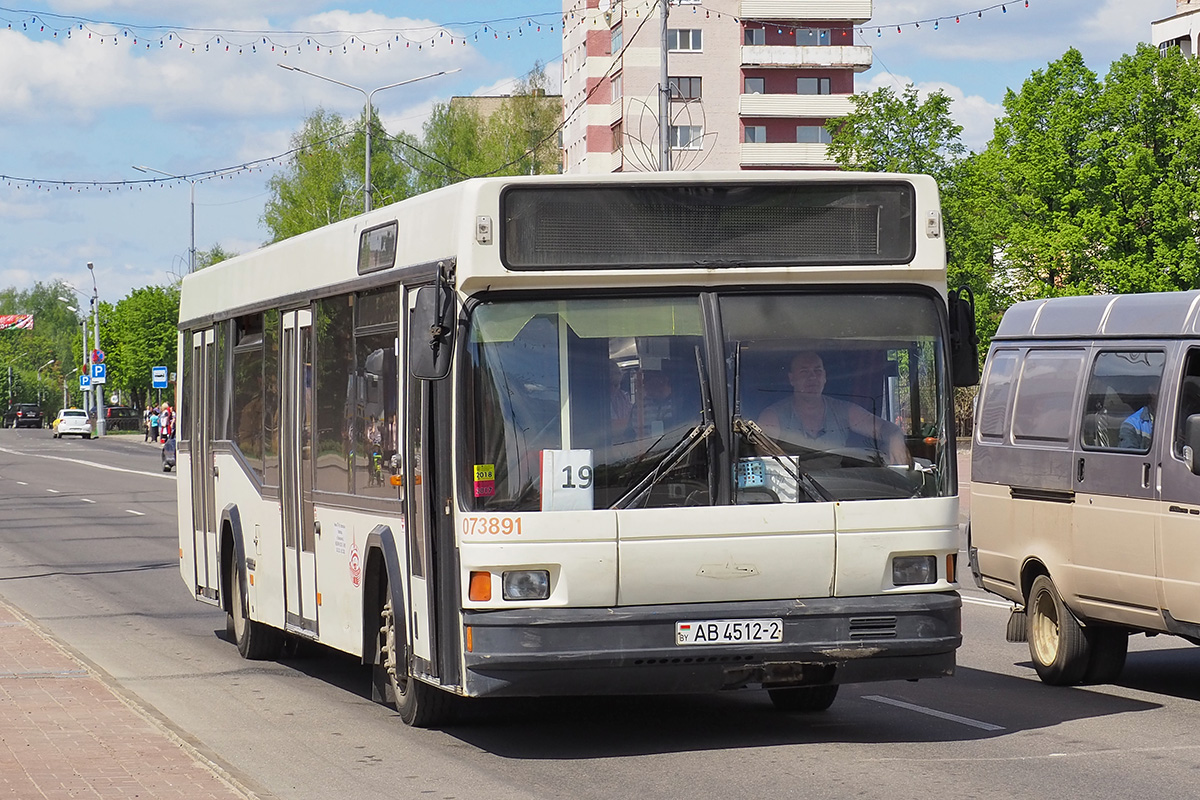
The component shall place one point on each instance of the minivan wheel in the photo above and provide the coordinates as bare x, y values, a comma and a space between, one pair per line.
1057, 644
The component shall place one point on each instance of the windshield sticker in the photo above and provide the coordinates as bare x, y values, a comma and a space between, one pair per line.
485, 480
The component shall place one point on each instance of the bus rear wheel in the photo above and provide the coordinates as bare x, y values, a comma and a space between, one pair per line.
804, 698
419, 704
1057, 643
255, 641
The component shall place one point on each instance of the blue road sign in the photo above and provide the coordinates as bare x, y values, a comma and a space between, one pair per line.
85, 382
158, 376
99, 373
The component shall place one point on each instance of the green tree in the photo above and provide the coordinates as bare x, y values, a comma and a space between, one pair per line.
1147, 154
1040, 170
887, 132
137, 334
316, 188
215, 255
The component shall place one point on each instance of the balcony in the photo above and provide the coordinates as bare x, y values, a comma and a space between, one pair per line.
855, 57
857, 11
785, 155
814, 106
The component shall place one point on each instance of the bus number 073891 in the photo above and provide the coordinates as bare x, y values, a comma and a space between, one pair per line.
491, 526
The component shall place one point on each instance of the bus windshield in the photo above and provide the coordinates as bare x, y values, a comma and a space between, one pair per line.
619, 402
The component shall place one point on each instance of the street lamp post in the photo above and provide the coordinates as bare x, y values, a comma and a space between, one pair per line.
367, 115
192, 201
66, 382
39, 378
83, 322
97, 393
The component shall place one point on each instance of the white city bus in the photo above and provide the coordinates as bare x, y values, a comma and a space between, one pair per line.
503, 439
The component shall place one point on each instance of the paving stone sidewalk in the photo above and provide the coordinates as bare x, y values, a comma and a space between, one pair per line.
65, 734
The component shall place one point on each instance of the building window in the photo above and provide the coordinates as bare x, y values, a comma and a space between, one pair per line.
618, 36
756, 134
684, 88
812, 37
812, 86
686, 137
754, 36
755, 86
616, 87
683, 39
617, 133
812, 134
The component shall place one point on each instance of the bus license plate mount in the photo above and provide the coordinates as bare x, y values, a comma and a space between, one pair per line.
728, 631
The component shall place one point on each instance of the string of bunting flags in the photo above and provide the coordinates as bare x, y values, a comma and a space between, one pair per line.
140, 183
240, 41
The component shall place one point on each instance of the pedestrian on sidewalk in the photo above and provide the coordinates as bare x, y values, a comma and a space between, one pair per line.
154, 424
146, 422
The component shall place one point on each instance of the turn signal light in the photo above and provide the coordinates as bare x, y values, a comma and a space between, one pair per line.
480, 587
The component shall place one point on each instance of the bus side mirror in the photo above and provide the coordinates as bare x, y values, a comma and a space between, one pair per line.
431, 332
1191, 443
964, 339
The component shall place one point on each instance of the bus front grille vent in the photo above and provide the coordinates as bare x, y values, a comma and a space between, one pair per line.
872, 627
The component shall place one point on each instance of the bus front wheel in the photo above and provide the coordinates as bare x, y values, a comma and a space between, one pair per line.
254, 640
803, 698
420, 704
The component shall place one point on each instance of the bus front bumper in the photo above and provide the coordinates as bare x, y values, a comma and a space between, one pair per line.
633, 650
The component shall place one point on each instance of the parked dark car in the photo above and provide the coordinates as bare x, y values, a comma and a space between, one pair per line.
24, 415
168, 455
122, 418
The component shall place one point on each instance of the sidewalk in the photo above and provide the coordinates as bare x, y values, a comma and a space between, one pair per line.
65, 734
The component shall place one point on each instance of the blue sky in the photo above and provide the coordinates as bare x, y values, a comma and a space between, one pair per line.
89, 106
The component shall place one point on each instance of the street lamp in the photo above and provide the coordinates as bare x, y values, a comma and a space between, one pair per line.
192, 193
83, 323
39, 378
367, 114
97, 393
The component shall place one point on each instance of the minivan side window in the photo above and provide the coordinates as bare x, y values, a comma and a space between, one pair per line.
997, 387
1046, 395
1189, 397
1121, 402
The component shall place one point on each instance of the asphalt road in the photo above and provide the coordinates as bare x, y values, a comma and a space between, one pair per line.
88, 547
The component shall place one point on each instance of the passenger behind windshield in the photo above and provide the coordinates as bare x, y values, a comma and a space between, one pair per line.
819, 424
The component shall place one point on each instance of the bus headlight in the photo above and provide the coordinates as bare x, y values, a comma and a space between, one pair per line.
914, 570
526, 584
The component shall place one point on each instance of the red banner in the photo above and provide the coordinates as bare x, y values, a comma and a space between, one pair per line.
23, 321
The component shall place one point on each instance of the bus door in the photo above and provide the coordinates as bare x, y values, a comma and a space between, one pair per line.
417, 522
296, 451
202, 400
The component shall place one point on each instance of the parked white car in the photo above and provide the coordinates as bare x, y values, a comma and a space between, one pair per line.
72, 422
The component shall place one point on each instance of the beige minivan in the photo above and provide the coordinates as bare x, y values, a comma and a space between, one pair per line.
1085, 467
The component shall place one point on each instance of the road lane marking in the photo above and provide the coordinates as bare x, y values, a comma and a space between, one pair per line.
974, 723
135, 513
84, 499
152, 473
22, 483
987, 601
54, 491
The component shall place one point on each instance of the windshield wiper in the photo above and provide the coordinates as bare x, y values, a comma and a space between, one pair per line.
674, 456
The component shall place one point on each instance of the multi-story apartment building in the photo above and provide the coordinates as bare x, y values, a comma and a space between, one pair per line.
752, 81
1181, 30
